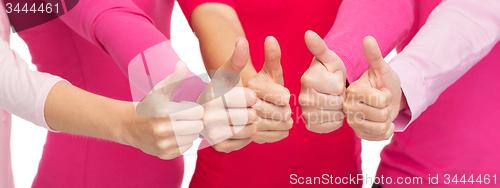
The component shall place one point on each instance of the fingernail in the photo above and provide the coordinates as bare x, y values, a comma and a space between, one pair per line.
237, 40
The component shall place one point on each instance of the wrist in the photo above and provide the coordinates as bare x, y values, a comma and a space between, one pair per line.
124, 119
403, 104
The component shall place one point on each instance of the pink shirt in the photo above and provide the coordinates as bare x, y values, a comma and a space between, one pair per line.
92, 46
23, 92
449, 75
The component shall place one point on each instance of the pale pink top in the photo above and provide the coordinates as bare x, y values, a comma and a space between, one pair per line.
23, 92
449, 75
127, 34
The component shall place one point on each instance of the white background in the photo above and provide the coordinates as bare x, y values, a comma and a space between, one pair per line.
28, 140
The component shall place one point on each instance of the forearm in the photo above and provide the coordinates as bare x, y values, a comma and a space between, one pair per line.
456, 36
128, 35
217, 27
388, 21
73, 110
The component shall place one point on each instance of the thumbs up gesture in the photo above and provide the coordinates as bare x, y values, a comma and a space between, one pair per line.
323, 85
373, 101
164, 128
272, 106
229, 116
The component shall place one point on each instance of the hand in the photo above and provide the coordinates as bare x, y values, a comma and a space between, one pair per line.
274, 117
323, 87
229, 116
373, 101
161, 127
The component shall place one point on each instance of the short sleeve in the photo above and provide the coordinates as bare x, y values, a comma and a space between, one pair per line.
188, 6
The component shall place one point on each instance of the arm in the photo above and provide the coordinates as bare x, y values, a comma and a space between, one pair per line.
428, 65
45, 100
423, 70
217, 35
388, 21
126, 33
217, 25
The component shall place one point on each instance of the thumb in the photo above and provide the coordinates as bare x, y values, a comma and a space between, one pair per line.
239, 58
173, 81
318, 48
272, 63
229, 73
374, 56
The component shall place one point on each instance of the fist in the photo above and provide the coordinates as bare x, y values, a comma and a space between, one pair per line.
229, 116
162, 127
323, 88
373, 101
274, 118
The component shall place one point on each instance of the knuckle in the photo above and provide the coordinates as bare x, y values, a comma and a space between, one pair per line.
252, 84
198, 112
359, 134
252, 115
210, 118
286, 95
252, 96
351, 90
198, 126
287, 113
383, 100
384, 114
389, 98
377, 129
289, 125
160, 130
162, 146
307, 79
303, 99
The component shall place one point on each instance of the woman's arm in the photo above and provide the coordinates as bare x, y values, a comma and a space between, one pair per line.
389, 21
126, 33
216, 25
54, 104
47, 101
456, 36
217, 35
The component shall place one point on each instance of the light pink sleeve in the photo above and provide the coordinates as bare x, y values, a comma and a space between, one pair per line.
125, 32
457, 35
389, 21
22, 91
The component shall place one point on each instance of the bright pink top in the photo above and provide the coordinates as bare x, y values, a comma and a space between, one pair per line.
82, 46
449, 75
303, 152
23, 93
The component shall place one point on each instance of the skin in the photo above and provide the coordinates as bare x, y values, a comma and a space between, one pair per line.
229, 124
370, 104
157, 125
323, 87
163, 134
375, 99
217, 26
